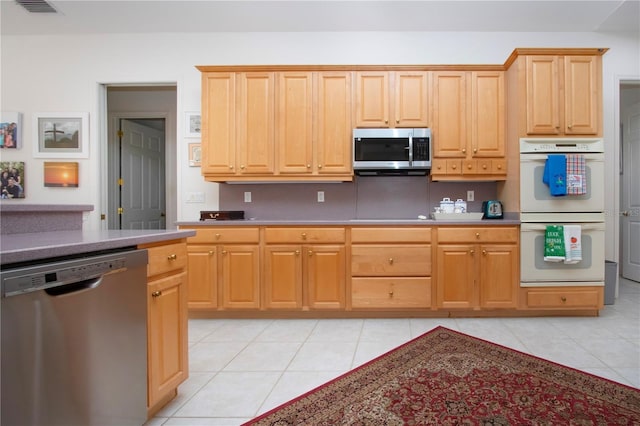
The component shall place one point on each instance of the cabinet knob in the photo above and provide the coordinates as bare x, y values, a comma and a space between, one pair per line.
472, 252
172, 257
439, 166
386, 121
156, 293
217, 236
475, 150
499, 166
304, 235
569, 126
211, 252
454, 166
224, 252
310, 253
397, 121
391, 261
297, 252
464, 150
308, 166
469, 166
391, 294
563, 298
231, 167
484, 252
242, 166
477, 235
319, 166
484, 166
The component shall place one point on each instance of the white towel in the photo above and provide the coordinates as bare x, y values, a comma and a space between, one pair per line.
572, 243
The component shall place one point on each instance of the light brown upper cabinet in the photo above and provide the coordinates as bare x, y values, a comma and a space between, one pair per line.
271, 126
392, 99
468, 125
238, 123
564, 95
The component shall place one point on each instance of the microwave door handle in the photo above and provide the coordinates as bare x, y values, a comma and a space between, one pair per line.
410, 148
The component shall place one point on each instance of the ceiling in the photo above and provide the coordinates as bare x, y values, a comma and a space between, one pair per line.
161, 16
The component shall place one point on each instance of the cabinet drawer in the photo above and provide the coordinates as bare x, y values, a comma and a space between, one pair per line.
385, 261
166, 258
492, 234
391, 292
304, 235
225, 235
567, 297
391, 235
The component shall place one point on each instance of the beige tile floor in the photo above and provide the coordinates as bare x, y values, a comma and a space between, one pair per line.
242, 368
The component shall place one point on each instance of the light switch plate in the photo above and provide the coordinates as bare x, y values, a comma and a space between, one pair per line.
321, 196
247, 197
471, 195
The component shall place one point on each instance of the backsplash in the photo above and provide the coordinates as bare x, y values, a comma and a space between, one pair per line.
371, 197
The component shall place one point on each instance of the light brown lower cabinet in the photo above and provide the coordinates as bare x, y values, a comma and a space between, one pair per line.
304, 268
167, 345
478, 268
562, 298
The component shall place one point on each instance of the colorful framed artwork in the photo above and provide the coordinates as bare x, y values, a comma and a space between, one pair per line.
61, 135
11, 180
10, 130
61, 174
195, 155
193, 124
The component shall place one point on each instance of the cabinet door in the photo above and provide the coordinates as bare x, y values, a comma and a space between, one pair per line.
456, 273
487, 114
499, 276
334, 124
543, 95
240, 276
372, 99
294, 122
218, 122
255, 124
283, 277
203, 274
326, 276
582, 95
450, 119
167, 335
411, 99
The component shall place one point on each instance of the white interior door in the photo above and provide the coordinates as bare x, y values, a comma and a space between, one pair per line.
142, 159
630, 194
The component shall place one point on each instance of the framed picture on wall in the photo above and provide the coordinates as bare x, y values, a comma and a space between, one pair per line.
10, 130
11, 180
192, 124
61, 174
61, 135
195, 155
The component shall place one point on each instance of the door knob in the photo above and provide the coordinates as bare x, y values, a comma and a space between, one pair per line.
625, 213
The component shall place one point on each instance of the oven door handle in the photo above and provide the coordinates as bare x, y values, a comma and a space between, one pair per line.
542, 157
527, 227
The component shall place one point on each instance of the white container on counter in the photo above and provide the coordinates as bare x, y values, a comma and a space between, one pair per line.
446, 205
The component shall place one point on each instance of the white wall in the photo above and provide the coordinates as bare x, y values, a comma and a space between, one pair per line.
63, 73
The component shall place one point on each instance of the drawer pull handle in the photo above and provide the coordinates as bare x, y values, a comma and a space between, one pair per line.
391, 294
477, 235
391, 261
304, 235
172, 257
217, 236
156, 293
563, 298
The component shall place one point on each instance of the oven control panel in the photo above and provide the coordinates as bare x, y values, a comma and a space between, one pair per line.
561, 145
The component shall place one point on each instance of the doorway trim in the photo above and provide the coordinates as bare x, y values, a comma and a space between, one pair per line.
171, 151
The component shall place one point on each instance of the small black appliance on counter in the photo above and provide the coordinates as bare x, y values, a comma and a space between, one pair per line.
492, 209
222, 215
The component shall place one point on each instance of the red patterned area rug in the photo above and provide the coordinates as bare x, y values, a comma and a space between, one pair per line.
448, 378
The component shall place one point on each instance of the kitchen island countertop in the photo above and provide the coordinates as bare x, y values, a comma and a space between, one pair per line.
26, 247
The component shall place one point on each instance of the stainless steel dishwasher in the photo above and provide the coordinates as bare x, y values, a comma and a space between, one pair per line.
74, 341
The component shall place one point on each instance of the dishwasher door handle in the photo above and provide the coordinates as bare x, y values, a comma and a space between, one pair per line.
80, 286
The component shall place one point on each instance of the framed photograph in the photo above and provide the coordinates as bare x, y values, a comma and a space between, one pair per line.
11, 180
61, 135
192, 124
61, 174
195, 155
10, 130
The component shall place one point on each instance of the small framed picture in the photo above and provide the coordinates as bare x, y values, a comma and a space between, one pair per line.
195, 155
61, 174
61, 135
11, 179
192, 124
10, 130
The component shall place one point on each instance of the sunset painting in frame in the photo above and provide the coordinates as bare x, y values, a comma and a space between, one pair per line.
61, 174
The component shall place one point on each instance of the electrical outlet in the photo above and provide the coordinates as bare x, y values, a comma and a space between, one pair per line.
471, 195
321, 196
247, 197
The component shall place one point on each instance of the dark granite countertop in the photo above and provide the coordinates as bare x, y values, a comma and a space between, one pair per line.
26, 247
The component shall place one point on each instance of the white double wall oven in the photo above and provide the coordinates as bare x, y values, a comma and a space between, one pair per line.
539, 208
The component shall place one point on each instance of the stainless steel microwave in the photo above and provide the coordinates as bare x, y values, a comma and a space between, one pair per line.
392, 151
